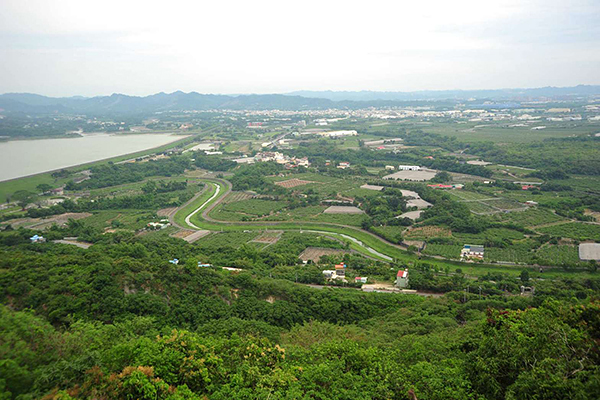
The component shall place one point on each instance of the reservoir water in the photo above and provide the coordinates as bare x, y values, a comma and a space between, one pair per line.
26, 157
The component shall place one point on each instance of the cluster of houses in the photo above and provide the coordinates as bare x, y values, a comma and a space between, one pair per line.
158, 225
275, 156
339, 273
472, 252
337, 134
442, 186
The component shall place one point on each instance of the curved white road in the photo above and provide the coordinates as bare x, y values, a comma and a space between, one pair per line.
187, 219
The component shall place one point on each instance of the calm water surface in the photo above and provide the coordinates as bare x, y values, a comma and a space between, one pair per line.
25, 157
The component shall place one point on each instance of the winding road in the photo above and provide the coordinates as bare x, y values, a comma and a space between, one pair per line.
187, 219
224, 187
220, 195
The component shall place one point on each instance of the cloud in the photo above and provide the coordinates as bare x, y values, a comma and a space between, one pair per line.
140, 47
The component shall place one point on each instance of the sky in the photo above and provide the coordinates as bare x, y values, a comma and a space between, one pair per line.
88, 48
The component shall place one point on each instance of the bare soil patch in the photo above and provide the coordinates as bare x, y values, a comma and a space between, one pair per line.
43, 223
343, 210
428, 232
189, 236
314, 254
290, 183
165, 212
237, 196
268, 237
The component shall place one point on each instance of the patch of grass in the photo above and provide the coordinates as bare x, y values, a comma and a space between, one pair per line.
574, 230
530, 217
444, 250
226, 239
120, 219
257, 207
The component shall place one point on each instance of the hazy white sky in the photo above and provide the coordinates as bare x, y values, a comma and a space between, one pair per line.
86, 47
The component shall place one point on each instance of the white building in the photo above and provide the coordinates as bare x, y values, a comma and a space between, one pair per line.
470, 251
334, 134
390, 167
409, 168
402, 279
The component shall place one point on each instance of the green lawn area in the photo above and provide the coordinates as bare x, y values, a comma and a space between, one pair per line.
255, 207
7, 188
444, 250
185, 211
390, 233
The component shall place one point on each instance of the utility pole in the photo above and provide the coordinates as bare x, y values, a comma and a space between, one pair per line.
479, 292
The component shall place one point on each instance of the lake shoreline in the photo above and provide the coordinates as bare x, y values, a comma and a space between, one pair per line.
107, 159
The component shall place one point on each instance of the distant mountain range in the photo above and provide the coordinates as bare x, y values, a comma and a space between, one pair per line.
432, 95
123, 104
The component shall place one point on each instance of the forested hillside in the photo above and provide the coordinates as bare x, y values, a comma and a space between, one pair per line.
119, 321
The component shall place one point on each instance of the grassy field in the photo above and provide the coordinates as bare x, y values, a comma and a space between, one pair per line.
376, 244
530, 217
467, 195
225, 239
121, 219
444, 250
500, 133
255, 207
201, 199
480, 208
505, 204
573, 230
391, 233
325, 185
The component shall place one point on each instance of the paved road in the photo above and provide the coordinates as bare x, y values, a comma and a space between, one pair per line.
350, 229
171, 215
187, 219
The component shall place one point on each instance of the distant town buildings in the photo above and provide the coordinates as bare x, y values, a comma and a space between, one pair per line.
275, 156
441, 186
336, 134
